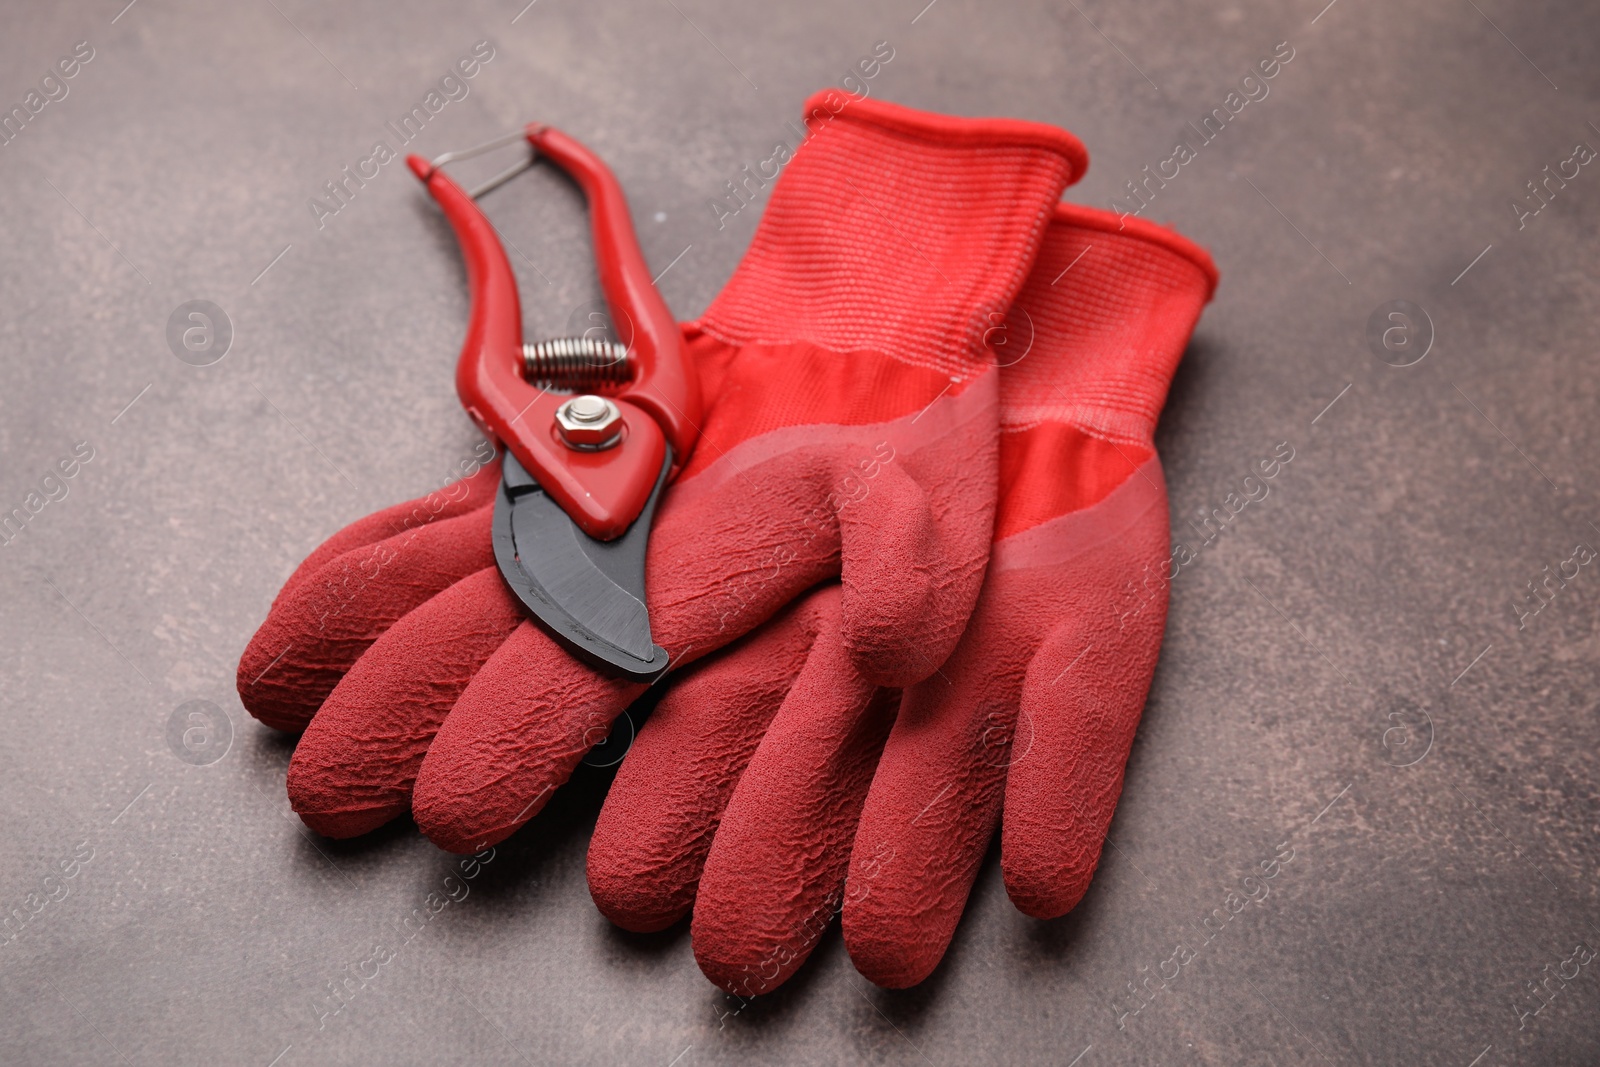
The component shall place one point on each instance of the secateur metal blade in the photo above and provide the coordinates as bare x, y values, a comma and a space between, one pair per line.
592, 429
589, 594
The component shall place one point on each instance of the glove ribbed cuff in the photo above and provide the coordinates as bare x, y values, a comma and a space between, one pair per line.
1106, 337
897, 231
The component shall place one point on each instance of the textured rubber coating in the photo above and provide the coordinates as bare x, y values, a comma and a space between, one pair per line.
747, 783
668, 796
517, 733
775, 873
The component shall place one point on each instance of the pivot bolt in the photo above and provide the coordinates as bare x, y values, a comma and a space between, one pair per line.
589, 423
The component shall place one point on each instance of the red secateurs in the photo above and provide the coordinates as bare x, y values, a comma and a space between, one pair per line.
593, 428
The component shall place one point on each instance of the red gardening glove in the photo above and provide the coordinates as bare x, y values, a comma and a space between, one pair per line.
758, 781
849, 434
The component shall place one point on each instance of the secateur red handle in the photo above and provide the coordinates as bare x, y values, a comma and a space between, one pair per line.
602, 491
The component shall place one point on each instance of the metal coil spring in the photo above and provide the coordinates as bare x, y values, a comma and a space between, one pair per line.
576, 362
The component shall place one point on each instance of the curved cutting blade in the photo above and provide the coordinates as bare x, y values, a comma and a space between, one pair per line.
588, 594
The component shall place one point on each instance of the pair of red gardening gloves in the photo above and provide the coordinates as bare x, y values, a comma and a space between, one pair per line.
914, 574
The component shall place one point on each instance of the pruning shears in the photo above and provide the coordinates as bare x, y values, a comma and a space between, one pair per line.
592, 428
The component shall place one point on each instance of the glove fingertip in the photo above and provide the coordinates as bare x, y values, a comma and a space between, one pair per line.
342, 824
462, 840
888, 955
436, 805
324, 799
1050, 844
628, 901
1046, 879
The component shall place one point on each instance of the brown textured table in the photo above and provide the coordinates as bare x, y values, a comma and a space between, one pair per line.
1347, 678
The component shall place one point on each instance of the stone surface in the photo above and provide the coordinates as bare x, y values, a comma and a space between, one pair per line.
1361, 617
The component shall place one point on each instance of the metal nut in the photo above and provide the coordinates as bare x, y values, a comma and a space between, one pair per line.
589, 423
